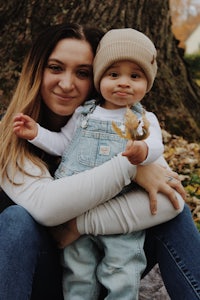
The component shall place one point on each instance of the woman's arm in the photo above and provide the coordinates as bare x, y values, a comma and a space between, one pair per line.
124, 214
131, 211
53, 202
127, 213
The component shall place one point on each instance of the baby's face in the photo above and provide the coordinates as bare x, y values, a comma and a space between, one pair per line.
124, 83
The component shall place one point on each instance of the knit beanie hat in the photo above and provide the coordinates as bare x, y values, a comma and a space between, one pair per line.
125, 44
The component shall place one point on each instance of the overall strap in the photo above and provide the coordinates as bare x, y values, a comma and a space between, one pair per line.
88, 108
137, 109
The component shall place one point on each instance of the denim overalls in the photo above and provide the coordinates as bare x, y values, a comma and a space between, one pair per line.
93, 143
115, 261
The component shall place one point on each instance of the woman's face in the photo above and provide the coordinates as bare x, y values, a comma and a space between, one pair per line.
67, 78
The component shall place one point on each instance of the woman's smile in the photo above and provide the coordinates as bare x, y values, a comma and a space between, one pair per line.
64, 97
67, 77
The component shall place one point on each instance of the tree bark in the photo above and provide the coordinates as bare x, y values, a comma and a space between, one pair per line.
175, 98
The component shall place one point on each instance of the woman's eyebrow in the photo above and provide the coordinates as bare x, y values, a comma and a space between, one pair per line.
54, 60
60, 62
86, 65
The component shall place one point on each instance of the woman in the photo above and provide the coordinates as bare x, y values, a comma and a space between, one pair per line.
27, 181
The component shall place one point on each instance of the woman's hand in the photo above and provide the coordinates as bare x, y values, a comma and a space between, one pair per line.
65, 234
155, 178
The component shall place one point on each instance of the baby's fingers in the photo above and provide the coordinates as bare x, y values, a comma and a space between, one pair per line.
18, 117
21, 117
17, 124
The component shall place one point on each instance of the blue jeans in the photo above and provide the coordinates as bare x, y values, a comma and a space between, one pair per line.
115, 261
28, 258
175, 245
24, 245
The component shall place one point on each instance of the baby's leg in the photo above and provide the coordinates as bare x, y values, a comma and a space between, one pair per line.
79, 261
121, 268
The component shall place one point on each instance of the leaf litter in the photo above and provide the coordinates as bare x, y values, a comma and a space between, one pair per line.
184, 158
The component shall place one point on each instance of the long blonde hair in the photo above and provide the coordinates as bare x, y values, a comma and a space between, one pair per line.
27, 98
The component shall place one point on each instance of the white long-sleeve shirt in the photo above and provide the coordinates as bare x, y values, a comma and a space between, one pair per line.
85, 196
53, 202
56, 142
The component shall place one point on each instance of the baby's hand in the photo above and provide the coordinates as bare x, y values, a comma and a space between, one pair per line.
136, 151
24, 127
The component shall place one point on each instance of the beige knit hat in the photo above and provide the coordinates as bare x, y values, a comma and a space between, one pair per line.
125, 44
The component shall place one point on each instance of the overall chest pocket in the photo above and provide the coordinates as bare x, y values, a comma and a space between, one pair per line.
96, 147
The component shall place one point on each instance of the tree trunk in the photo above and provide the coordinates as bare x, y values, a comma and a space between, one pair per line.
175, 98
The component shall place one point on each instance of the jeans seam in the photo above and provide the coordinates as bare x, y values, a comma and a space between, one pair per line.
183, 269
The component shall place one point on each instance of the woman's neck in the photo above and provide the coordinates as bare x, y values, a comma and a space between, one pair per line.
52, 121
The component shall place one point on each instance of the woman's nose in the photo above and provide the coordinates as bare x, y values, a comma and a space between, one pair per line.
66, 82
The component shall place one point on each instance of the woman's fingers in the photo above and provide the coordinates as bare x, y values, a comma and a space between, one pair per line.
170, 193
175, 183
158, 179
153, 201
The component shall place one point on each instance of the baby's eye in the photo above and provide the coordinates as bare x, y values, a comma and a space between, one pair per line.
113, 74
54, 68
135, 75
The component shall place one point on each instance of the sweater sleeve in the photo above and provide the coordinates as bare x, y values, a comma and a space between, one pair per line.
55, 143
154, 140
127, 213
53, 202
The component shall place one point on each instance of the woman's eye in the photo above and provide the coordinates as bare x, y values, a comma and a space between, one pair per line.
54, 68
84, 74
